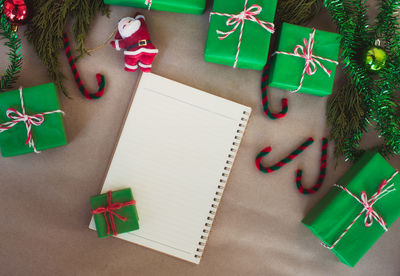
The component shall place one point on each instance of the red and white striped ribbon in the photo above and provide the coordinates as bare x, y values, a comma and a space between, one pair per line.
29, 121
368, 204
311, 60
148, 3
239, 19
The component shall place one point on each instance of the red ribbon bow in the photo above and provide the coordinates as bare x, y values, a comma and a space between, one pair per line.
306, 52
29, 120
111, 208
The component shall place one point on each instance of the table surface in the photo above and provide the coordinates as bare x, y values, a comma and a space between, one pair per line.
44, 198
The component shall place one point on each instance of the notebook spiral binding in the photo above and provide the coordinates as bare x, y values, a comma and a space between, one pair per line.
222, 182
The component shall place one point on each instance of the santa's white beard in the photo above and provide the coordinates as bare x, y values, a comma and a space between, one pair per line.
129, 29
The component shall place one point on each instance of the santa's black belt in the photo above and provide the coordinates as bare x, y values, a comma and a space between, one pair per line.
140, 44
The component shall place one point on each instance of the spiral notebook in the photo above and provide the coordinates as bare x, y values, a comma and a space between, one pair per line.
175, 152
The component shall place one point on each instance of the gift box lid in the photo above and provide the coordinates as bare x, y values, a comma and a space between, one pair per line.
286, 70
330, 218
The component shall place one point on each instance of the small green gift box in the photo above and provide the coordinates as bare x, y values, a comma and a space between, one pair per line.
355, 213
30, 120
187, 6
239, 33
305, 60
114, 213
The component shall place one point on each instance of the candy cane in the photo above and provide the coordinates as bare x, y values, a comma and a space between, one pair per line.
284, 161
322, 172
264, 95
100, 78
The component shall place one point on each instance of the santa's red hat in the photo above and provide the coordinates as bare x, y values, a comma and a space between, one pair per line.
138, 16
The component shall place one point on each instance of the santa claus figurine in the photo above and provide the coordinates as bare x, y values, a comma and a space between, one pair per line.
134, 38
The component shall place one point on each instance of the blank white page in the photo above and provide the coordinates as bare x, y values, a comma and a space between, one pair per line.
175, 152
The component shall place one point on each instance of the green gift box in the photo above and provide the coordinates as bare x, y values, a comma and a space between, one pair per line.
225, 29
287, 70
187, 6
114, 213
346, 223
43, 109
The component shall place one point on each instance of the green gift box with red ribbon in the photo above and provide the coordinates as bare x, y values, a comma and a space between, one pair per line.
114, 213
30, 120
179, 6
305, 60
358, 210
239, 33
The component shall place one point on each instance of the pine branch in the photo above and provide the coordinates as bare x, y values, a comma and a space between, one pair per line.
10, 75
347, 115
346, 118
45, 30
83, 15
374, 95
296, 12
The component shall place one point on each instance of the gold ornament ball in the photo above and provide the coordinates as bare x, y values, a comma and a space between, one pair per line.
375, 59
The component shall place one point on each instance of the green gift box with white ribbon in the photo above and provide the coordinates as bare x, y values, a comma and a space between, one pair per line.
179, 6
305, 60
30, 120
239, 33
358, 210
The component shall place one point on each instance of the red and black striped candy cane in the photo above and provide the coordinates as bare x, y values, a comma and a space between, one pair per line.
100, 78
322, 172
264, 95
284, 161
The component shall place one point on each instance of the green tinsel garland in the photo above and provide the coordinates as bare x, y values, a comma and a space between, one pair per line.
366, 99
45, 30
10, 74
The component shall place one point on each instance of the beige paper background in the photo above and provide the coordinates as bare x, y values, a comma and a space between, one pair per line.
44, 199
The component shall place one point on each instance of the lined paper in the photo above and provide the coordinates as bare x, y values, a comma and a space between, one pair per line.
172, 153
